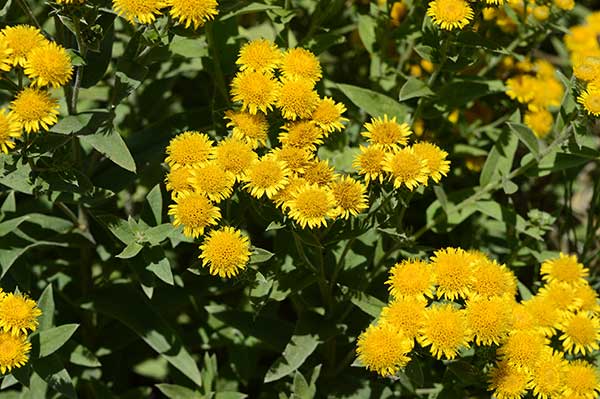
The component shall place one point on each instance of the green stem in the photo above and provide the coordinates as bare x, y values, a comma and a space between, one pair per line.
82, 47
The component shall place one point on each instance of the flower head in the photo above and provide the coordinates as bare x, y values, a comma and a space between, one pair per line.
489, 319
406, 168
297, 98
545, 313
213, 181
387, 133
34, 109
14, 351
520, 88
144, 11
18, 314
369, 163
411, 278
234, 156
453, 271
539, 121
508, 381
194, 212
179, 180
300, 63
311, 206
590, 99
257, 91
193, 12
581, 380
547, 92
259, 55
547, 376
49, 65
523, 348
384, 349
288, 193
565, 268
560, 294
350, 196
450, 14
266, 177
253, 129
587, 298
303, 134
435, 159
226, 251
189, 149
493, 279
521, 318
581, 333
21, 39
296, 158
405, 314
445, 330
319, 172
328, 115
10, 129
5, 55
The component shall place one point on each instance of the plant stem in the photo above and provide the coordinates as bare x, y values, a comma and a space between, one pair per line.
29, 12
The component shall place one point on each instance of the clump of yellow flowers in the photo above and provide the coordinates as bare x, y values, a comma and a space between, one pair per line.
461, 298
186, 12
24, 51
582, 43
18, 317
535, 86
275, 91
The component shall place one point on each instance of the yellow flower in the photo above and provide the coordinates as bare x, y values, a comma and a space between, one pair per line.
178, 180
587, 298
523, 348
398, 12
235, 156
5, 55
507, 381
435, 159
10, 129
453, 271
213, 181
565, 268
521, 88
547, 92
253, 129
547, 376
387, 133
406, 168
445, 329
303, 134
194, 212
546, 314
383, 349
288, 192
297, 98
311, 206
539, 121
144, 11
266, 177
189, 149
581, 379
226, 251
350, 197
492, 279
566, 5
34, 109
587, 69
369, 163
489, 319
257, 91
13, 351
405, 314
21, 39
581, 333
450, 14
259, 55
295, 158
590, 99
411, 278
318, 172
522, 319
328, 115
541, 13
544, 69
300, 63
18, 314
560, 294
195, 12
49, 65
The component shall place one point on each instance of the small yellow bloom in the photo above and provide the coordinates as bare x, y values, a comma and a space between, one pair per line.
508, 381
288, 193
213, 181
566, 5
405, 314
560, 294
453, 271
384, 349
257, 91
590, 99
179, 180
34, 109
5, 55
445, 330
411, 278
406, 167
493, 279
450, 14
250, 128
369, 163
259, 55
581, 380
18, 314
521, 88
545, 313
523, 348
49, 65
10, 129
297, 98
144, 11
296, 158
541, 13
21, 39
189, 149
301, 63
194, 212
565, 268
193, 12
14, 351
318, 171
234, 156
302, 134
225, 251
581, 333
539, 121
387, 133
398, 12
311, 206
328, 115
547, 376
350, 196
489, 318
266, 176
435, 159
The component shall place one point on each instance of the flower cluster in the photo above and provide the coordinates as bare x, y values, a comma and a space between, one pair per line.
582, 43
18, 317
186, 12
25, 51
462, 298
389, 157
534, 84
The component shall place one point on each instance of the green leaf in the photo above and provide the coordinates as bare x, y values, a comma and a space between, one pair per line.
260, 255
53, 372
251, 8
294, 355
368, 304
500, 159
110, 143
82, 356
48, 222
140, 315
188, 47
373, 103
154, 199
130, 251
526, 136
366, 31
414, 88
158, 263
53, 339
172, 391
46, 305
